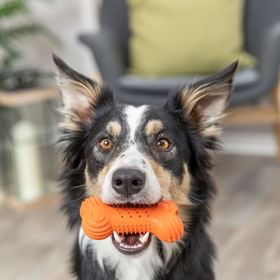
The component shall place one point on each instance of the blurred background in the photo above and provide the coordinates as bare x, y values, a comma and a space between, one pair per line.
142, 49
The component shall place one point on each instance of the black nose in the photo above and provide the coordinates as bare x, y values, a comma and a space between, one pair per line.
128, 181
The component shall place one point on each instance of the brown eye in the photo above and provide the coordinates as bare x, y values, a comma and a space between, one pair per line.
163, 144
105, 144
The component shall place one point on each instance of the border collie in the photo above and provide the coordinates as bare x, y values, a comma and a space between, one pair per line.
139, 155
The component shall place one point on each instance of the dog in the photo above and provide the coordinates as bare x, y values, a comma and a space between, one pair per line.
124, 154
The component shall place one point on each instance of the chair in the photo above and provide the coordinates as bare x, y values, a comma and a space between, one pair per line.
251, 86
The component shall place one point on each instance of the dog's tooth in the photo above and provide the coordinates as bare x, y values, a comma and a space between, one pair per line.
144, 238
117, 237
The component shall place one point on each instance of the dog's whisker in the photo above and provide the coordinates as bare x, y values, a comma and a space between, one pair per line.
76, 187
196, 199
77, 199
99, 164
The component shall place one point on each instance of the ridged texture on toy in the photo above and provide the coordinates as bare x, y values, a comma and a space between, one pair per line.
94, 225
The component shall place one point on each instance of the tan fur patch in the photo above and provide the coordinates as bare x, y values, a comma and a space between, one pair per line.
114, 128
69, 125
94, 187
79, 98
153, 127
174, 190
205, 104
71, 121
92, 93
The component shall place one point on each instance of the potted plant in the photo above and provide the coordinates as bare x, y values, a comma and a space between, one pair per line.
12, 78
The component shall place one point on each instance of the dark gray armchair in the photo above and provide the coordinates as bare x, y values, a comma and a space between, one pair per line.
110, 49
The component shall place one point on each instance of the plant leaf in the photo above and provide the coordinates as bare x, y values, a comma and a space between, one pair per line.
27, 29
13, 7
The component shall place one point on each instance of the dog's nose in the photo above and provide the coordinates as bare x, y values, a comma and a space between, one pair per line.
128, 181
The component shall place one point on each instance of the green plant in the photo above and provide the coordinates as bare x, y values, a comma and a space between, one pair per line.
9, 52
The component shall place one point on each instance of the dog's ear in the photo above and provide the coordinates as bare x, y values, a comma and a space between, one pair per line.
81, 96
205, 101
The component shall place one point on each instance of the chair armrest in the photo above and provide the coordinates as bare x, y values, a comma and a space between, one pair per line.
269, 60
107, 54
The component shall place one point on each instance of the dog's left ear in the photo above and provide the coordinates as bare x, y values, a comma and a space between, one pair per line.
205, 101
80, 96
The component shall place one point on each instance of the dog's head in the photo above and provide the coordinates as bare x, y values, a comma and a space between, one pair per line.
140, 155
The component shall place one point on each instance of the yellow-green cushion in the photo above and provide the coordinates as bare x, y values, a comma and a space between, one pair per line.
178, 37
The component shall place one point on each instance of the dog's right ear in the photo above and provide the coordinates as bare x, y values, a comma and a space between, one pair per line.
81, 96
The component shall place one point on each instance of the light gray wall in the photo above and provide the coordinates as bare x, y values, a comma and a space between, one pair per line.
66, 18
250, 140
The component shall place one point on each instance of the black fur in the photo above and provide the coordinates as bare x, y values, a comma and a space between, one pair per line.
195, 260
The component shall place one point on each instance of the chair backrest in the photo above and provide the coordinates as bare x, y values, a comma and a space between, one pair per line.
114, 19
260, 16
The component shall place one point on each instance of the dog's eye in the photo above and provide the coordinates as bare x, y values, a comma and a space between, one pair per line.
105, 144
163, 144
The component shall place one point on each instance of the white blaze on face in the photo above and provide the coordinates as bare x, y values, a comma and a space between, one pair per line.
134, 117
132, 157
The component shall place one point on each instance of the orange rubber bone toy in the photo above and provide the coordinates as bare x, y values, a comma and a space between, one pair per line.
99, 220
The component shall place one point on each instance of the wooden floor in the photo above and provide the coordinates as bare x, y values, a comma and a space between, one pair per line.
246, 228
246, 223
